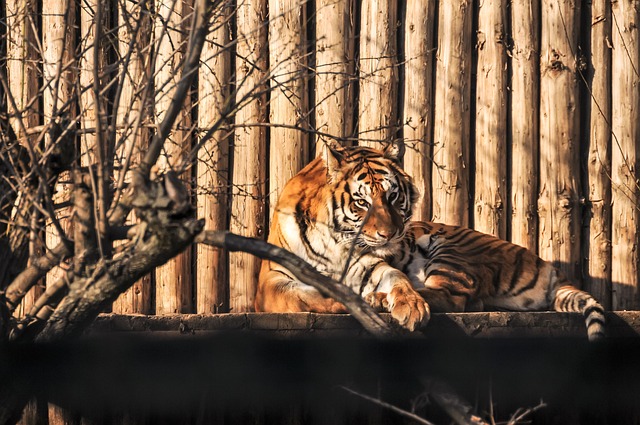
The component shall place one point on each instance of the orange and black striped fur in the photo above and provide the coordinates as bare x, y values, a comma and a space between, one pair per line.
349, 216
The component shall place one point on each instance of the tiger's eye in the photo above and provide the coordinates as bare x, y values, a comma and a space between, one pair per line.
362, 203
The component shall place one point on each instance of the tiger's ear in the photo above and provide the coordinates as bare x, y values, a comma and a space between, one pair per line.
394, 151
333, 157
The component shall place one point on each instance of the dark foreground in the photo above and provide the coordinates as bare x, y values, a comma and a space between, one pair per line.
244, 377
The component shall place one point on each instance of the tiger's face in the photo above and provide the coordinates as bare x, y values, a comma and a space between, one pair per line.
372, 196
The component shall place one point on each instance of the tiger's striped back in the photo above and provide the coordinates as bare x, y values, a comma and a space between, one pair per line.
460, 269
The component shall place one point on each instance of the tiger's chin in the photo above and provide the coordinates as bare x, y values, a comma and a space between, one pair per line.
384, 249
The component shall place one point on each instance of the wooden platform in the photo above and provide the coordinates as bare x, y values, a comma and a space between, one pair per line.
620, 324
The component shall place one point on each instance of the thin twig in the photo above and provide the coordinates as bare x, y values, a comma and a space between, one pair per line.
391, 407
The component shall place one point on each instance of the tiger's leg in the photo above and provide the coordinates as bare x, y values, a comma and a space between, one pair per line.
395, 293
449, 292
280, 293
571, 299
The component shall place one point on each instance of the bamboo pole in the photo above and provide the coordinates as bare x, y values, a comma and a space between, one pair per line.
288, 149
625, 155
491, 120
558, 204
525, 118
133, 136
213, 167
378, 72
418, 99
335, 67
598, 279
174, 278
22, 79
450, 175
249, 151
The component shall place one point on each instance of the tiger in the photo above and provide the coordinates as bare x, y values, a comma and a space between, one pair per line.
348, 213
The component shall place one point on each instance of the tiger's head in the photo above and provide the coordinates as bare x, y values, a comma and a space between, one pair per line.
372, 196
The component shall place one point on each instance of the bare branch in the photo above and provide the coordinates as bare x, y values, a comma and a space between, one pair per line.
520, 415
305, 273
391, 407
35, 271
197, 38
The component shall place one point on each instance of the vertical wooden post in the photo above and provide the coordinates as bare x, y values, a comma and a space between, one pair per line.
174, 278
625, 155
88, 109
378, 72
134, 24
418, 99
452, 136
22, 76
491, 120
334, 68
559, 203
213, 166
598, 279
524, 129
58, 43
288, 150
22, 62
249, 151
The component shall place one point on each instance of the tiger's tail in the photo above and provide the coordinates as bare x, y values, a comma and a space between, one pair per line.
571, 299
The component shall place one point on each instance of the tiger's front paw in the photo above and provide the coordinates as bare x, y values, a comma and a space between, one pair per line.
408, 308
378, 301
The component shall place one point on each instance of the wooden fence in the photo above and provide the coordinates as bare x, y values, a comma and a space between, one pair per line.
520, 118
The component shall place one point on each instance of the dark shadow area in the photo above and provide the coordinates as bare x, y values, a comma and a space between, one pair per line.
243, 378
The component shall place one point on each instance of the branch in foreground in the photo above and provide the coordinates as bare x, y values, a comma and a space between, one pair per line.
391, 407
303, 271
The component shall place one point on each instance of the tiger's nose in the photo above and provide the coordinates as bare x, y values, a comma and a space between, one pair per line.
385, 234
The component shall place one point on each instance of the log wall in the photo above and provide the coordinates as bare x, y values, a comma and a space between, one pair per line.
505, 110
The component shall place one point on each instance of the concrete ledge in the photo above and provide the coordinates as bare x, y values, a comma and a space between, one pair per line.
620, 324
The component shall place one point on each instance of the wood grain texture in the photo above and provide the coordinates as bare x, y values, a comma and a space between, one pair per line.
132, 137
490, 201
174, 293
525, 119
559, 199
248, 207
625, 153
598, 253
213, 167
335, 67
378, 72
452, 136
288, 150
418, 99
